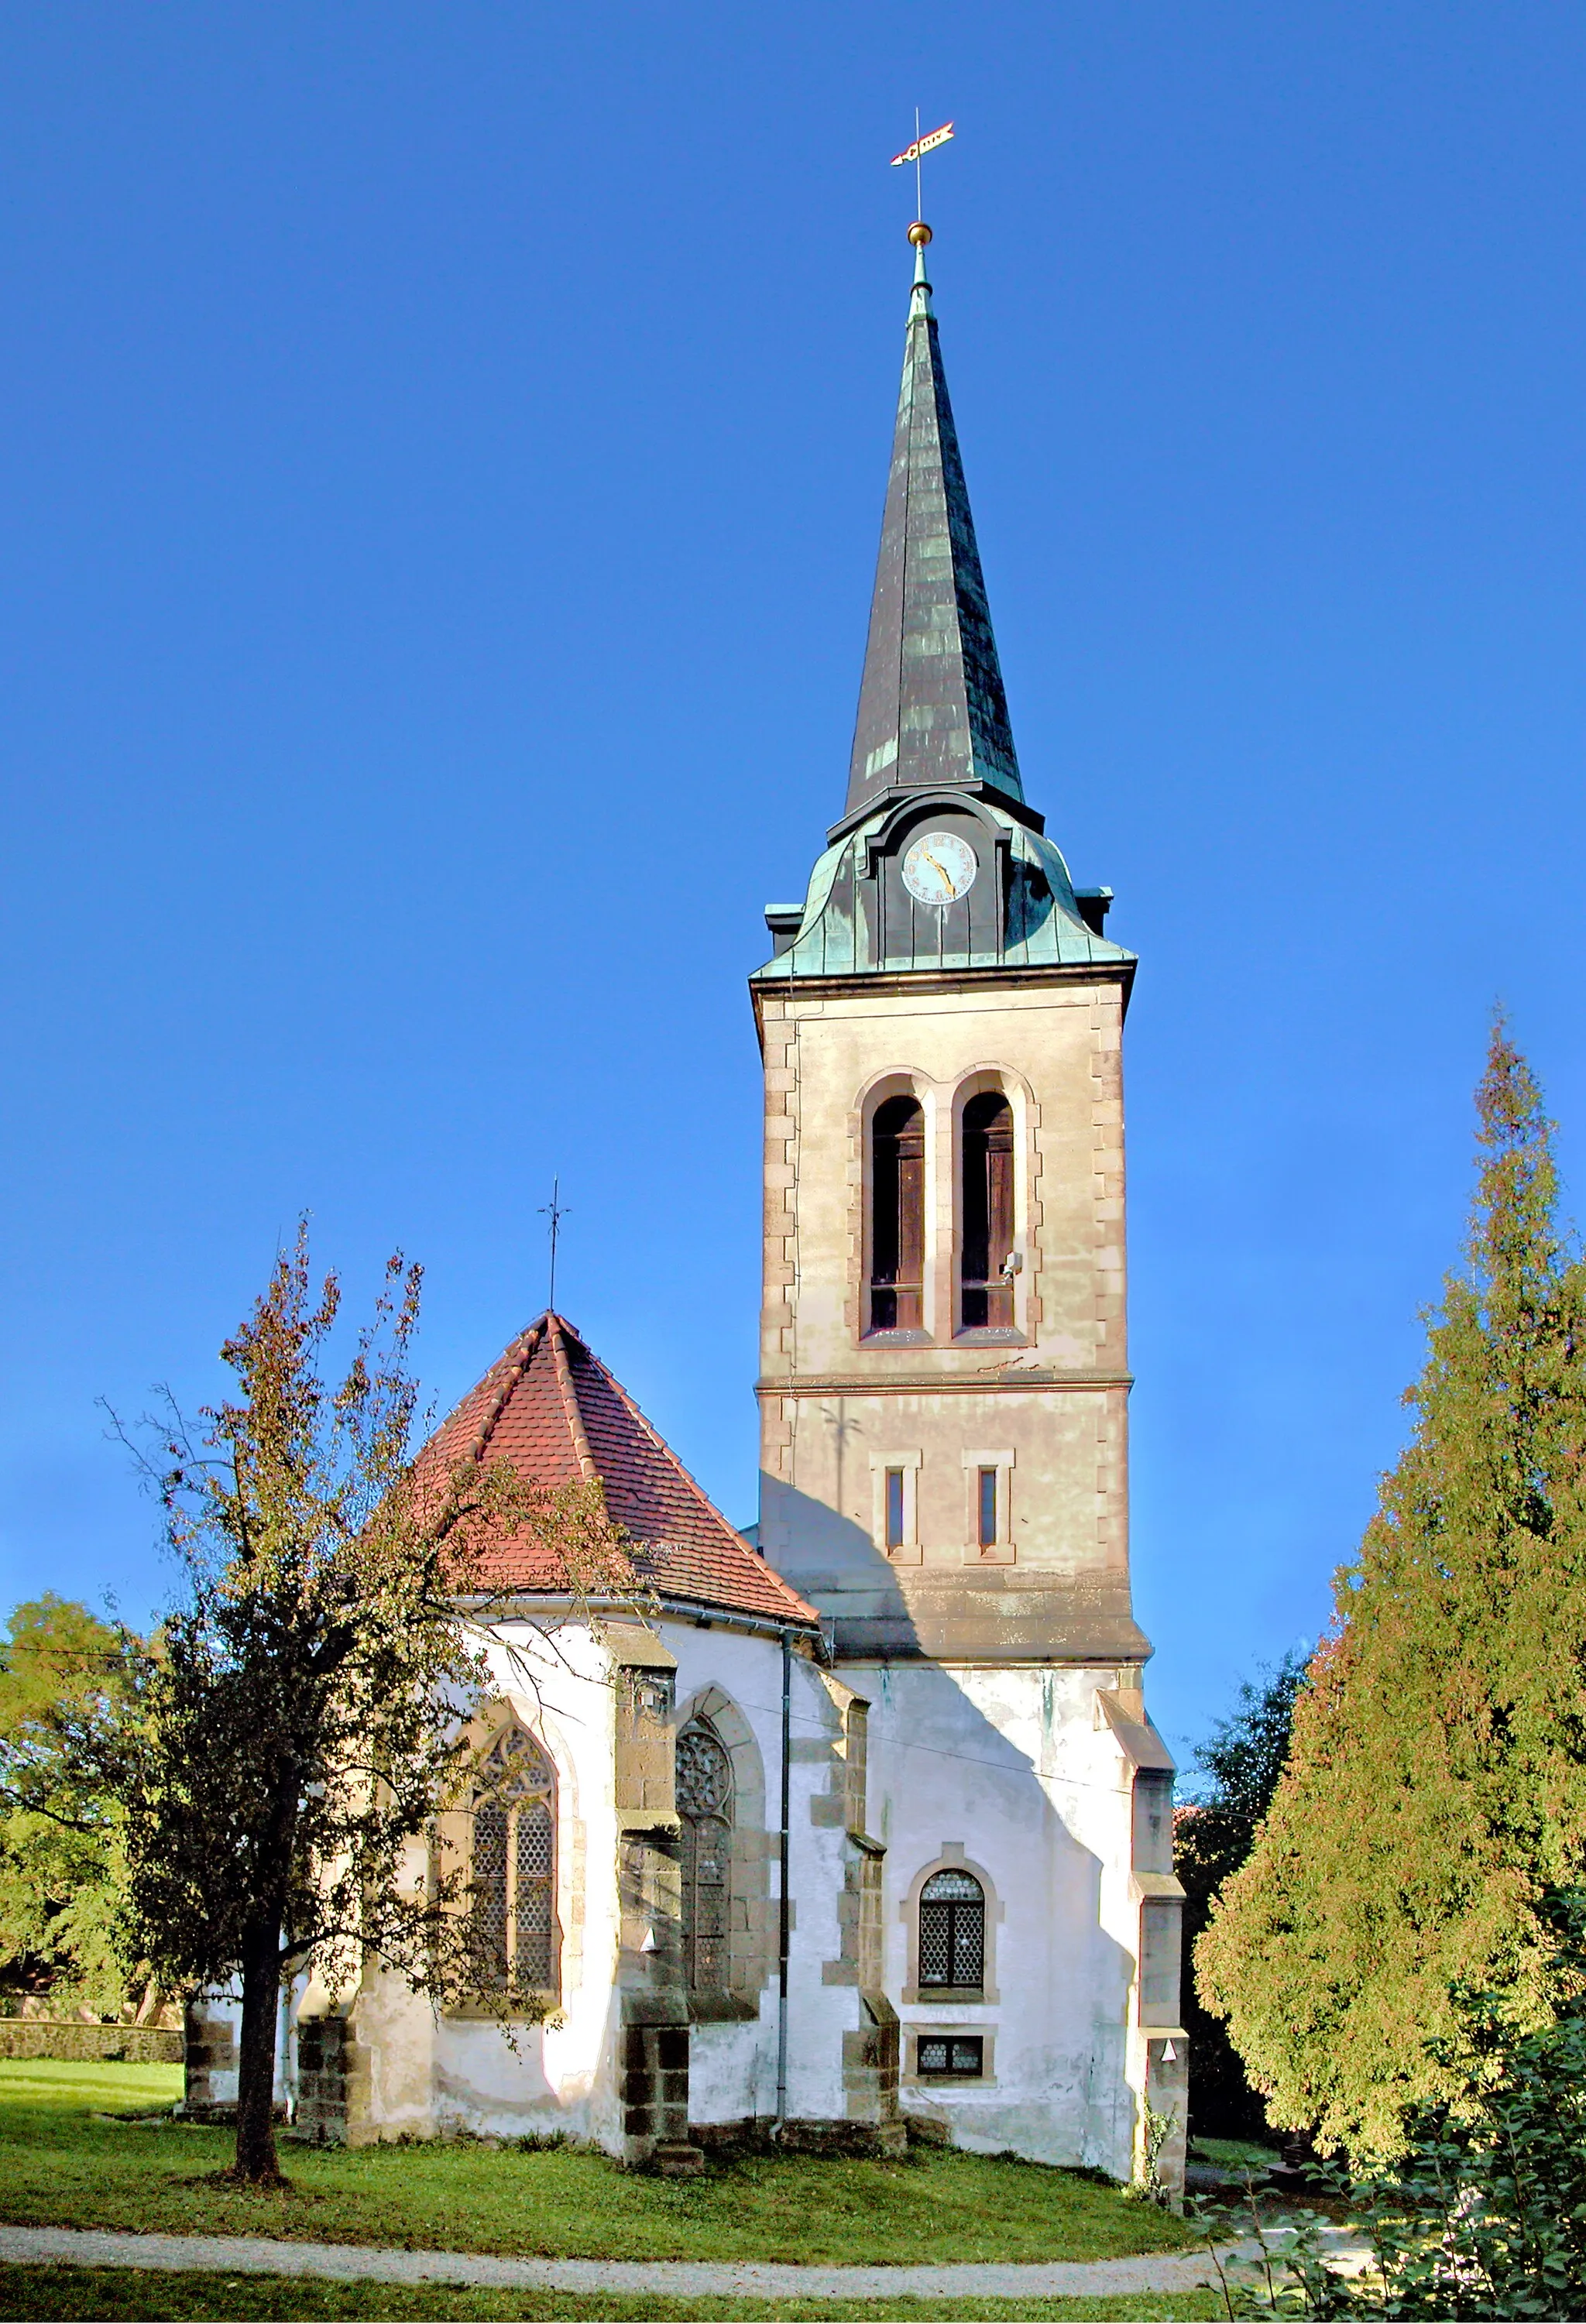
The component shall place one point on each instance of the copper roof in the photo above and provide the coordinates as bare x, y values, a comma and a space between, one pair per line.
932, 709
553, 1410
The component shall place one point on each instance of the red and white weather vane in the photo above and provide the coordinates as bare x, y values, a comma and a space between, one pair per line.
916, 152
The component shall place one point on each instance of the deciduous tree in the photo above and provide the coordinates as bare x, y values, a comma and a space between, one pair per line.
304, 1718
1437, 1780
67, 1682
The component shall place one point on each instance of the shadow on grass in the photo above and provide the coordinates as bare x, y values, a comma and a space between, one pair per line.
60, 2167
115, 2292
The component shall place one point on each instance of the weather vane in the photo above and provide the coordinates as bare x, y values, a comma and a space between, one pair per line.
916, 153
556, 1211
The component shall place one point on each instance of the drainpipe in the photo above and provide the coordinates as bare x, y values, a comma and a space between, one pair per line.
784, 1905
285, 2060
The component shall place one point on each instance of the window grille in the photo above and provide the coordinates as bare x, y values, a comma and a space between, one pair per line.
953, 1932
513, 1875
705, 1803
897, 1239
950, 2053
985, 1287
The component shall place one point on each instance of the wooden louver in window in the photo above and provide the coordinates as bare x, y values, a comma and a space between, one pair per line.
986, 1289
897, 1267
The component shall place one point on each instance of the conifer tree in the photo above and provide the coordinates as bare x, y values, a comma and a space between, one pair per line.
1437, 1780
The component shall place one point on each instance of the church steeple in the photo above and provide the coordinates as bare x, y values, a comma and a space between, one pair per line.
932, 710
933, 769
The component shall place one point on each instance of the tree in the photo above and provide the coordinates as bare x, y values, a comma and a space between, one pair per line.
1436, 1782
67, 1682
1483, 2214
1237, 1768
305, 1716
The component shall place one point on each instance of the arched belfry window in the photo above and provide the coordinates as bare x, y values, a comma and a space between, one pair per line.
953, 1932
986, 1149
705, 1803
514, 1864
897, 1238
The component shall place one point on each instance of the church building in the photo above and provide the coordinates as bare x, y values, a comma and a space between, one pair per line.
865, 1827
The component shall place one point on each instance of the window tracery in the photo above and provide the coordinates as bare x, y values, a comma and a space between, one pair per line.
514, 1882
705, 1804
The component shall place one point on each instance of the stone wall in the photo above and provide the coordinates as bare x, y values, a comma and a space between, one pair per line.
133, 2045
210, 2054
332, 2071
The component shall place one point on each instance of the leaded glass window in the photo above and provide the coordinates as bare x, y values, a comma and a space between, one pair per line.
705, 1803
514, 1864
951, 2053
953, 1932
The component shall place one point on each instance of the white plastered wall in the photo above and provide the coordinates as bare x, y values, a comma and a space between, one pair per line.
429, 2075
1005, 1772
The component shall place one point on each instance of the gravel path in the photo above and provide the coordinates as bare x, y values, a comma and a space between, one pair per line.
684, 2279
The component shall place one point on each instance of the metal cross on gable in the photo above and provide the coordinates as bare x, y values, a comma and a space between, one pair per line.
556, 1211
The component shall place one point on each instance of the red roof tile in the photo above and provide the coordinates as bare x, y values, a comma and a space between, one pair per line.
553, 1410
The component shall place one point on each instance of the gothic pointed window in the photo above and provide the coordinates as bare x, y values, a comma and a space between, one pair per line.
705, 1803
513, 1877
896, 1237
986, 1154
953, 1933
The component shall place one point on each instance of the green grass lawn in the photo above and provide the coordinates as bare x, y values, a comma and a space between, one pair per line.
1235, 2154
125, 2291
61, 2167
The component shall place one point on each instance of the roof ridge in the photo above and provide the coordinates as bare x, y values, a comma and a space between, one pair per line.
588, 1466
527, 1341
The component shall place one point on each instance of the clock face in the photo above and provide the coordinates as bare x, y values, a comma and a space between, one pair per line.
939, 868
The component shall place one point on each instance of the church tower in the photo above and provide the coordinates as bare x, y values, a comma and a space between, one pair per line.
945, 1374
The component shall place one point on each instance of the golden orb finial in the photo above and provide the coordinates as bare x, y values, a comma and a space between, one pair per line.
919, 234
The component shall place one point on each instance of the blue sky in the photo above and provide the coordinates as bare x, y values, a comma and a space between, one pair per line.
442, 462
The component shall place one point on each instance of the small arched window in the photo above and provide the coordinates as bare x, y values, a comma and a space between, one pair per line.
986, 1283
514, 1865
705, 1803
953, 1932
897, 1238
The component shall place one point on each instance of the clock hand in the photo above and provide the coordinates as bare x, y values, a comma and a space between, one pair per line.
945, 877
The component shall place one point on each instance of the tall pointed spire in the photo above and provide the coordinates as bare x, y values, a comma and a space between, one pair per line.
932, 710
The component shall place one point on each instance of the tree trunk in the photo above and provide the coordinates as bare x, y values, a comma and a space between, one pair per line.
256, 2163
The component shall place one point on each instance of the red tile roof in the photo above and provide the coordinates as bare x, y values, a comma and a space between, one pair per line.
553, 1410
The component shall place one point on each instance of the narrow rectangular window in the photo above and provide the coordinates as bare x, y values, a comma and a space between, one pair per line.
894, 1508
989, 1535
